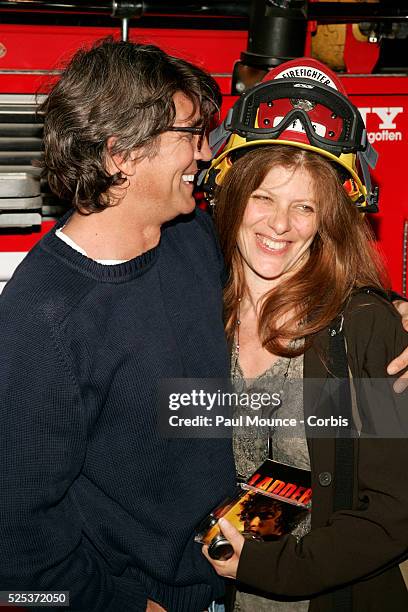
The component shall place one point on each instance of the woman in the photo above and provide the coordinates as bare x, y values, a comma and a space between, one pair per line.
301, 258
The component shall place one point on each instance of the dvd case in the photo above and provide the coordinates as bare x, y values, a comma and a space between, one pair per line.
274, 500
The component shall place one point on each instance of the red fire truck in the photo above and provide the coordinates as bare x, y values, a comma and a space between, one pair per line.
238, 42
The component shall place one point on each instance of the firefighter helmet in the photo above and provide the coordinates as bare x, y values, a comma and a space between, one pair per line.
301, 103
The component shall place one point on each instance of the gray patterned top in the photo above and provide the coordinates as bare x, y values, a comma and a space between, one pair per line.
251, 449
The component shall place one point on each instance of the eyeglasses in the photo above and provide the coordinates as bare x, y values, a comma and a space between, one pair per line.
200, 131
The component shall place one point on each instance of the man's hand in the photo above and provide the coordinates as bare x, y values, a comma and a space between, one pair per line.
402, 308
400, 362
152, 606
227, 569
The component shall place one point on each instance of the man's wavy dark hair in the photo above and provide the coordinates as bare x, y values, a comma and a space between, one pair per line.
115, 89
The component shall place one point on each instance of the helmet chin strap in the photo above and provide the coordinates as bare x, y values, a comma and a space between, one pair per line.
368, 158
217, 138
372, 194
369, 153
220, 135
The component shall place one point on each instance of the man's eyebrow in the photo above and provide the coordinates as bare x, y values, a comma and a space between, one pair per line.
196, 122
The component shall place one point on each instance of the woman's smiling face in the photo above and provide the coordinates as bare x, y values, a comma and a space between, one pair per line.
279, 224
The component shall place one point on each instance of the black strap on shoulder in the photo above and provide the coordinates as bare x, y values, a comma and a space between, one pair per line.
388, 296
344, 458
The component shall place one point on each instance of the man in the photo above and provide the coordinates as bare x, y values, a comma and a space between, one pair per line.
94, 501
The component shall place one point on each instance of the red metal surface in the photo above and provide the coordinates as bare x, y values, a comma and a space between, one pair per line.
374, 85
30, 49
359, 56
387, 126
21, 243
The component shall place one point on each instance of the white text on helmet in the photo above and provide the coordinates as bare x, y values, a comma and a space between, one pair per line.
305, 72
296, 126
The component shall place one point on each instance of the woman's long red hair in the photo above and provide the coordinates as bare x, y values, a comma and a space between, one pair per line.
342, 256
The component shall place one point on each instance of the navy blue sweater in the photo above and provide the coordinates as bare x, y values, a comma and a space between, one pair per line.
93, 500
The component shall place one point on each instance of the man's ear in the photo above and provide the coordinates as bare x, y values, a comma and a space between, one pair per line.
117, 162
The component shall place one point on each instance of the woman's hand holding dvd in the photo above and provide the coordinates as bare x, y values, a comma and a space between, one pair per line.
227, 569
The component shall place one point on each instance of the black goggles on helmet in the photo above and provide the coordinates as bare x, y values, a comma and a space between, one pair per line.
299, 106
